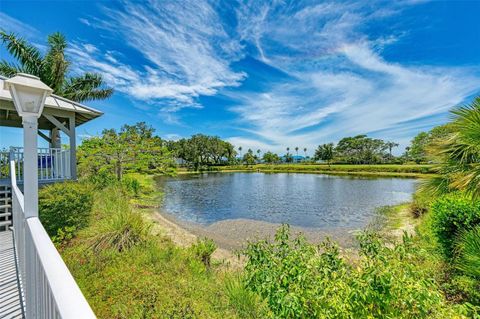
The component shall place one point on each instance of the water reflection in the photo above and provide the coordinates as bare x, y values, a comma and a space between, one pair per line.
308, 200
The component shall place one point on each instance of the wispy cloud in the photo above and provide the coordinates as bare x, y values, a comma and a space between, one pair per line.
9, 24
187, 51
337, 80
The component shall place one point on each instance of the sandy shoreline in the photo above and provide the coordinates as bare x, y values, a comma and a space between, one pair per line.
232, 235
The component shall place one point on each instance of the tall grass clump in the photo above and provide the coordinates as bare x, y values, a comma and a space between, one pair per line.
247, 304
120, 228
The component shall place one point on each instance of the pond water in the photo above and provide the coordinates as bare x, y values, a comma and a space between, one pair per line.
306, 200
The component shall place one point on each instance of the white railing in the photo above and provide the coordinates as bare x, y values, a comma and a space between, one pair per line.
47, 287
53, 163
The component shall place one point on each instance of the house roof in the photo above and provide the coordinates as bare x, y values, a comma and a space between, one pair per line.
83, 113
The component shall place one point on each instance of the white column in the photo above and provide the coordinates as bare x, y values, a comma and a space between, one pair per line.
30, 165
73, 148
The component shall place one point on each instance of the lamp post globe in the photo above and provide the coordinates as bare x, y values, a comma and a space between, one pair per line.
28, 95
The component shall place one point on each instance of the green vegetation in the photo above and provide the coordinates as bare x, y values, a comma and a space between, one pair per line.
409, 170
134, 148
52, 68
64, 208
300, 280
451, 214
201, 150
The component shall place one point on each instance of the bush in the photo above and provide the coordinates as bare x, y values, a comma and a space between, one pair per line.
203, 249
468, 248
451, 215
64, 208
299, 280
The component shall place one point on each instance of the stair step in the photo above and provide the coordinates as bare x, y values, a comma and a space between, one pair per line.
5, 214
6, 223
5, 206
8, 191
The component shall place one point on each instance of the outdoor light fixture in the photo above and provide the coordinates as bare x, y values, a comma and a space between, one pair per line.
28, 94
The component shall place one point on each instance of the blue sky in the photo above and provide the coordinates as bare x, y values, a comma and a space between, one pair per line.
266, 74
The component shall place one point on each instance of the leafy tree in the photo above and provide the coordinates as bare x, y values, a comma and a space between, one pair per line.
271, 158
52, 68
203, 150
249, 158
361, 149
133, 148
325, 152
417, 151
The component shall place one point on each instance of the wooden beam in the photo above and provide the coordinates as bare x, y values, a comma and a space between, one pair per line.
57, 123
45, 137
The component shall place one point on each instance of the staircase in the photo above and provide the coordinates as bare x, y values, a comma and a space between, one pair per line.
5, 207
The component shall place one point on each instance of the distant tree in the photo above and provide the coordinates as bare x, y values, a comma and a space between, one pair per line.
418, 147
325, 152
288, 158
249, 158
296, 150
203, 150
390, 146
52, 68
288, 150
361, 149
258, 154
305, 151
271, 158
240, 150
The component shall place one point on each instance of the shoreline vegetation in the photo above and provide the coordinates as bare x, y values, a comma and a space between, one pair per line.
380, 170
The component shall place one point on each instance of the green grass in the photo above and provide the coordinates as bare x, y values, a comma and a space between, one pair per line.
125, 272
407, 170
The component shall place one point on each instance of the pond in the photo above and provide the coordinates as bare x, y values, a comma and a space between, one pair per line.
306, 200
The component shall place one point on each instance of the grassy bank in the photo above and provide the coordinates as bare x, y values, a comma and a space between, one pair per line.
126, 270
407, 170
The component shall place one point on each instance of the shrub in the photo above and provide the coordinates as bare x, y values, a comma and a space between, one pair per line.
468, 248
451, 215
299, 280
203, 250
64, 208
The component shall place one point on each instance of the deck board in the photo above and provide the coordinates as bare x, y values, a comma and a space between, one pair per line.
10, 304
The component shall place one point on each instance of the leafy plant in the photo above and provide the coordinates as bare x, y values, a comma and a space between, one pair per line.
64, 208
469, 252
299, 280
203, 249
452, 214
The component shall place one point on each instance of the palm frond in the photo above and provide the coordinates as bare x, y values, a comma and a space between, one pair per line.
28, 55
56, 64
89, 86
9, 69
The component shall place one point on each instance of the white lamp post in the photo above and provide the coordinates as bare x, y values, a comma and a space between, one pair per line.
28, 95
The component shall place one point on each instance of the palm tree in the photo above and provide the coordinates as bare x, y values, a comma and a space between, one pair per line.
391, 145
240, 150
52, 68
288, 150
458, 154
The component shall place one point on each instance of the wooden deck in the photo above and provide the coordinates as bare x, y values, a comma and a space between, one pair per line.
10, 304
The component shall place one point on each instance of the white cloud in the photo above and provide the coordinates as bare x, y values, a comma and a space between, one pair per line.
187, 50
9, 24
